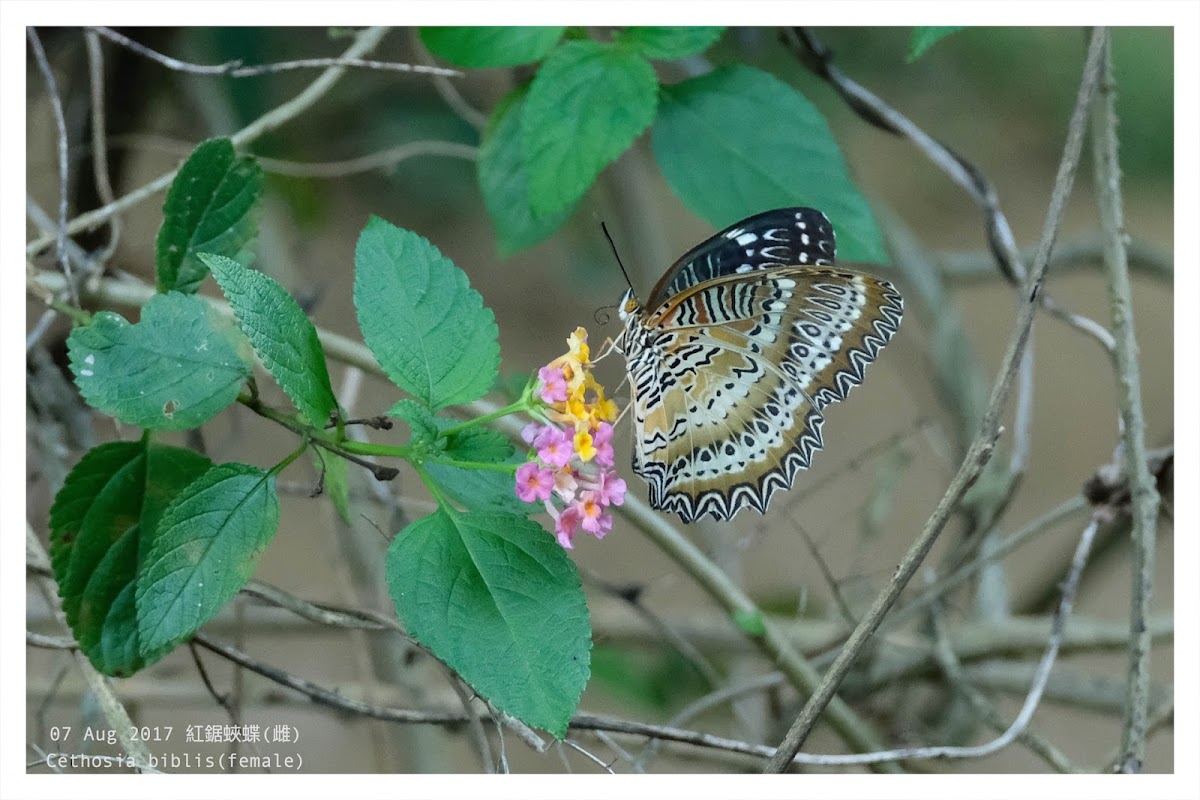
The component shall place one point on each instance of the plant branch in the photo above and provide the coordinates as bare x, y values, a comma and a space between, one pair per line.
60, 124
814, 54
1144, 495
364, 43
235, 69
981, 448
983, 708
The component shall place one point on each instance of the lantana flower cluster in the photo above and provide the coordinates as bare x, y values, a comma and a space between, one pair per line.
570, 468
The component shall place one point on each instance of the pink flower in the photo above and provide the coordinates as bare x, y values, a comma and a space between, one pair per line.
534, 482
610, 489
554, 445
530, 432
554, 385
592, 514
602, 441
567, 525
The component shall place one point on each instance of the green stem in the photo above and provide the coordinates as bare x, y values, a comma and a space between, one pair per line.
374, 449
76, 315
282, 465
512, 408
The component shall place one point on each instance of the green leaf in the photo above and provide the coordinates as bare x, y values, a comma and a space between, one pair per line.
425, 431
504, 181
424, 323
206, 547
925, 37
667, 42
586, 105
479, 444
281, 334
175, 369
211, 207
481, 489
491, 47
738, 141
497, 599
102, 518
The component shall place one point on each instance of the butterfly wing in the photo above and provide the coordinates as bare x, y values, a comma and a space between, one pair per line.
779, 238
730, 378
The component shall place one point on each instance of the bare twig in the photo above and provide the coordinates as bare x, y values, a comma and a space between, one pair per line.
235, 69
60, 235
981, 448
1141, 482
273, 119
1144, 258
810, 50
389, 157
449, 92
982, 707
104, 189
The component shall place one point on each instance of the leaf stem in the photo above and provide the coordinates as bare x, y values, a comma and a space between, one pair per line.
282, 465
520, 405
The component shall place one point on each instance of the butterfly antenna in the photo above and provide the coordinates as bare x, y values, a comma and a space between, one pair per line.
616, 255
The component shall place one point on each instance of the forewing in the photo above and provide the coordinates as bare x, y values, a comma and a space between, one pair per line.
732, 409
779, 238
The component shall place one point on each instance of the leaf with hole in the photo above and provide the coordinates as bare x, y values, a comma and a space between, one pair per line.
175, 369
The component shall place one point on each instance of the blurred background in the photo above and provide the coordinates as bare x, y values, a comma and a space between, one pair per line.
1001, 97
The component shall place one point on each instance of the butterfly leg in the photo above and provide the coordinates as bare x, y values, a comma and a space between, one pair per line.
606, 349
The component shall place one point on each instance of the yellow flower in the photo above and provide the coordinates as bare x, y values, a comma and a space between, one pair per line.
584, 446
577, 342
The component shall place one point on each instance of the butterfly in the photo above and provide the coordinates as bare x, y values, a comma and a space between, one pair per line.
739, 348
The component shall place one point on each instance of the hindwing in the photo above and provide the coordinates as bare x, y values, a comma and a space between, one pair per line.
730, 376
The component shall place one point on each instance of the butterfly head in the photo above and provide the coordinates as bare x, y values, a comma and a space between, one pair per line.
628, 307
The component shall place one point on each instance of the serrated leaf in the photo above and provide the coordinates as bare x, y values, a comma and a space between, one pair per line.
669, 42
420, 420
481, 489
925, 37
175, 369
426, 326
738, 141
211, 207
280, 333
478, 444
483, 46
504, 181
207, 545
102, 518
496, 598
586, 105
